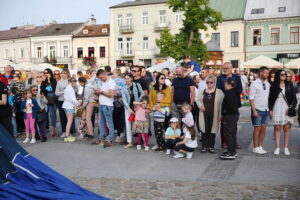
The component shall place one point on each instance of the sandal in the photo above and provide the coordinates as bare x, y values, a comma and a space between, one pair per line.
128, 146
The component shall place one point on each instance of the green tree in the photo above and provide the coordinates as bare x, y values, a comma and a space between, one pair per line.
197, 16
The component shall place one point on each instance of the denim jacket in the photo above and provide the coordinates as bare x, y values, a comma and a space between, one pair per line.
137, 92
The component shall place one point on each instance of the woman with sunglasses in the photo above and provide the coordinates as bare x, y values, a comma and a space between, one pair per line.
57, 75
282, 97
48, 89
209, 102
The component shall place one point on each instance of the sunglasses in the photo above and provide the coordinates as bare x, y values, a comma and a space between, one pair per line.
162, 78
56, 74
16, 76
38, 76
134, 71
209, 82
178, 74
46, 73
282, 74
34, 90
264, 86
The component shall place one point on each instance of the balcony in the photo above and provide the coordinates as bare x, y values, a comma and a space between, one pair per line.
127, 53
161, 26
126, 28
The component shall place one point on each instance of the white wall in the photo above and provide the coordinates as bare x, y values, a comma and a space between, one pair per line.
14, 47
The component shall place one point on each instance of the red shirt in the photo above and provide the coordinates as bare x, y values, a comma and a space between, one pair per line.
5, 80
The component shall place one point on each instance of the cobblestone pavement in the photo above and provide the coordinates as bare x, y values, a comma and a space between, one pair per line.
122, 189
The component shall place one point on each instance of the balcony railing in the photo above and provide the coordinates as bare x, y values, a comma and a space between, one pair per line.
127, 53
161, 26
129, 28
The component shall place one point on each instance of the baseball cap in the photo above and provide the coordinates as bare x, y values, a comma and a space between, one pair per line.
173, 119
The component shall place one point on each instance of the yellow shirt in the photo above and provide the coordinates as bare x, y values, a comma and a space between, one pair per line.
165, 102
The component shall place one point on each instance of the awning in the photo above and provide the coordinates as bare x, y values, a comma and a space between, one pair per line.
260, 61
293, 64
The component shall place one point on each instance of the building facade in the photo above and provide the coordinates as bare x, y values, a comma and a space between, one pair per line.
54, 44
15, 43
91, 43
272, 29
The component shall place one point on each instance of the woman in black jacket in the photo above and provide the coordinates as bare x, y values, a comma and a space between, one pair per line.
282, 97
48, 87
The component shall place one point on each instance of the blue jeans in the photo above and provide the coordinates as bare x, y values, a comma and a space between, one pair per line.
106, 117
52, 113
14, 123
261, 120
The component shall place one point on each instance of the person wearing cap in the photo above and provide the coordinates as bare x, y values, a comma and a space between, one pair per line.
188, 142
238, 88
230, 115
171, 134
70, 103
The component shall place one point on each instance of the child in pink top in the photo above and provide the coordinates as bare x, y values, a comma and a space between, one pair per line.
141, 124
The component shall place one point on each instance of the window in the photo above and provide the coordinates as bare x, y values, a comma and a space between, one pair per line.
85, 31
235, 63
52, 52
275, 36
294, 35
91, 51
145, 43
6, 53
129, 19
119, 20
22, 53
104, 30
281, 9
129, 45
258, 11
162, 17
145, 17
102, 52
66, 51
216, 36
178, 17
39, 52
234, 38
79, 52
120, 44
256, 37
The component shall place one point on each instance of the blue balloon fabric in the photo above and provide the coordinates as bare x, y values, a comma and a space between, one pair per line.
23, 177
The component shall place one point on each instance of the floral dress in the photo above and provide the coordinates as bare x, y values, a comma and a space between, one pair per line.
280, 109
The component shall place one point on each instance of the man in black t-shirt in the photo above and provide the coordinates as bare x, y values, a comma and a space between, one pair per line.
5, 110
137, 78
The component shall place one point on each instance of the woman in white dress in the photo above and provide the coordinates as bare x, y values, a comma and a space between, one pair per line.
282, 97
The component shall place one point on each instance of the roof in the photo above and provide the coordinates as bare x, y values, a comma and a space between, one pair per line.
59, 29
20, 32
230, 9
138, 3
271, 9
93, 31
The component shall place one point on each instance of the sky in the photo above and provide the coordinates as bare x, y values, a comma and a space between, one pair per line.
40, 12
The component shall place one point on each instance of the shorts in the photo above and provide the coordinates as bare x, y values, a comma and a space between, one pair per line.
70, 111
141, 127
262, 120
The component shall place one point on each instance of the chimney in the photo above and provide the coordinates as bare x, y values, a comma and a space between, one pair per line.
91, 21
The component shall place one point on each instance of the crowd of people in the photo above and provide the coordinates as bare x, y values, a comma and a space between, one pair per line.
180, 109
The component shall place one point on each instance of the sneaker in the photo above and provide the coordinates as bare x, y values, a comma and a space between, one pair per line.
227, 156
236, 154
66, 139
108, 144
211, 150
189, 155
138, 147
26, 141
178, 155
277, 151
286, 152
262, 150
44, 139
146, 148
118, 139
257, 150
128, 146
80, 136
168, 152
102, 142
159, 149
63, 135
33, 140
72, 139
203, 150
154, 147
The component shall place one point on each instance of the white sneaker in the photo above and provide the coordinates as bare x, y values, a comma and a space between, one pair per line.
138, 147
63, 135
154, 147
117, 140
189, 155
146, 148
277, 151
257, 150
262, 150
168, 151
286, 152
178, 155
32, 141
26, 141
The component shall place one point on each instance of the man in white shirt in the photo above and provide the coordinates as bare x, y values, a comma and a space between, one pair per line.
106, 101
259, 95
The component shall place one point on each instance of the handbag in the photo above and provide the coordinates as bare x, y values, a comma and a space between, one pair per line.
291, 112
51, 98
42, 116
131, 117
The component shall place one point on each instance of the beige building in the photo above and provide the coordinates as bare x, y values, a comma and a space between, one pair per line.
91, 43
136, 24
